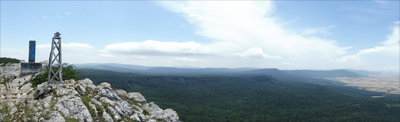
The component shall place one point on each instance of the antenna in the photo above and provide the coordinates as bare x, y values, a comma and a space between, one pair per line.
56, 54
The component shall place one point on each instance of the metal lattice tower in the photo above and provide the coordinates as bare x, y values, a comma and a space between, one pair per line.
55, 55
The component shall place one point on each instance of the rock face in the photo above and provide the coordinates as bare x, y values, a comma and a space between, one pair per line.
72, 100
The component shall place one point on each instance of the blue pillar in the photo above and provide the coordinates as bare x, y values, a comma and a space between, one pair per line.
32, 46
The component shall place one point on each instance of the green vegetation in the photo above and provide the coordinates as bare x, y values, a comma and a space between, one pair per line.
253, 98
68, 70
5, 60
71, 119
145, 112
5, 110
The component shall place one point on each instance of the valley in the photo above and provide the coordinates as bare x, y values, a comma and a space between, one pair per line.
379, 83
254, 96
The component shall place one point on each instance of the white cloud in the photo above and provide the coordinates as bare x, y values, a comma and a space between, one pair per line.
286, 63
151, 47
67, 46
379, 57
191, 60
107, 56
67, 13
309, 31
394, 37
255, 53
44, 17
240, 25
381, 1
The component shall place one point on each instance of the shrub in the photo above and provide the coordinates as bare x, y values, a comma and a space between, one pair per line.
68, 72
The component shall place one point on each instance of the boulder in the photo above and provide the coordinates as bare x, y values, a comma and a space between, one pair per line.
43, 89
124, 107
105, 90
46, 102
73, 107
66, 91
25, 88
88, 83
172, 116
136, 96
121, 92
106, 100
155, 111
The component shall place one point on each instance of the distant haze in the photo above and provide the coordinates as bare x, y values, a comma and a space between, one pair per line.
288, 35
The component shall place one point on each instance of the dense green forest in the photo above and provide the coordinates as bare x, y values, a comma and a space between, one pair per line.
8, 60
252, 98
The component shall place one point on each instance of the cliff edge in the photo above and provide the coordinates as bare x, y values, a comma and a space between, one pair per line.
71, 100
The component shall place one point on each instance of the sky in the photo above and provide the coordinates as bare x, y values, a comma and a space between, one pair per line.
318, 35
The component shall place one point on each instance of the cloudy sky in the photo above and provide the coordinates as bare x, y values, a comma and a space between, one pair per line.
360, 35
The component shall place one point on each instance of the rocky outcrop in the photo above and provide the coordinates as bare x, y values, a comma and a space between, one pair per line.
73, 107
72, 100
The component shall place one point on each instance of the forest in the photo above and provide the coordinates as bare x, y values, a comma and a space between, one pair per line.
4, 60
252, 98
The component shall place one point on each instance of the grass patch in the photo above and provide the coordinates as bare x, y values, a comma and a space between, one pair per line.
39, 79
99, 110
72, 120
5, 110
145, 112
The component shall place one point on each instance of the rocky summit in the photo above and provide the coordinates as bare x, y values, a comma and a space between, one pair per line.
71, 100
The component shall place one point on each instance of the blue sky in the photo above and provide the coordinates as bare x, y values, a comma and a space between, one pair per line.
263, 34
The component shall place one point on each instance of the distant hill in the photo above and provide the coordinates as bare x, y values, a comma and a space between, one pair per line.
124, 68
105, 67
9, 60
285, 76
324, 73
147, 70
364, 72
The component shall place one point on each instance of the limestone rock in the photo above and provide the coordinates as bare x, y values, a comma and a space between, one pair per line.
55, 117
26, 88
13, 110
106, 100
92, 106
137, 97
105, 90
43, 89
107, 117
66, 91
155, 111
73, 107
47, 102
124, 107
88, 83
52, 101
172, 116
121, 93
135, 117
115, 113
96, 102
